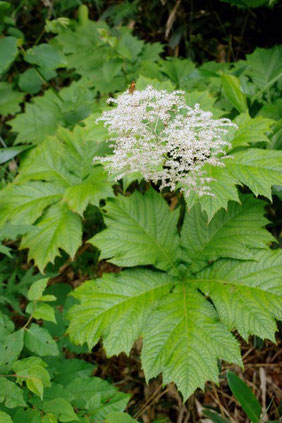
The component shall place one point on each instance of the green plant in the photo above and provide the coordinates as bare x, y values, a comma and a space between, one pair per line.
37, 382
184, 334
191, 269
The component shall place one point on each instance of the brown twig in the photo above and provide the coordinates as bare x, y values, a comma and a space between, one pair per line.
171, 18
150, 401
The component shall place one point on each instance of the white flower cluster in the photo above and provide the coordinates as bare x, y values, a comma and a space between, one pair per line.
157, 135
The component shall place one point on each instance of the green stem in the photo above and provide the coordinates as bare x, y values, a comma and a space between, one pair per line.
28, 322
48, 83
39, 37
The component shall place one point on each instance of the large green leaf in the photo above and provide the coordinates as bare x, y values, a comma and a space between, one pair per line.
178, 71
117, 308
39, 119
150, 236
43, 116
247, 295
60, 168
66, 158
23, 204
229, 234
46, 162
58, 228
265, 66
184, 333
250, 131
90, 191
205, 100
257, 169
121, 308
184, 339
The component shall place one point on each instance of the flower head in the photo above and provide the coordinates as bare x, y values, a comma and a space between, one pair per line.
156, 134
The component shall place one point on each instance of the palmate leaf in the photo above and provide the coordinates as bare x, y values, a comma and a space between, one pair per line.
150, 236
179, 71
39, 119
23, 204
265, 66
122, 307
88, 192
249, 130
59, 174
243, 224
184, 339
46, 162
43, 116
247, 295
58, 228
118, 308
258, 169
184, 333
66, 158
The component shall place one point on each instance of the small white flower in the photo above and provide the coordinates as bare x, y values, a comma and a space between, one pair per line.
156, 134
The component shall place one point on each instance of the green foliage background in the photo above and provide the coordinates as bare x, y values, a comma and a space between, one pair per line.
187, 277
